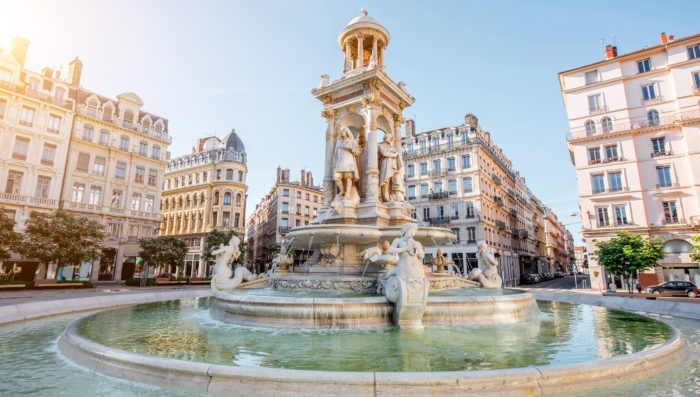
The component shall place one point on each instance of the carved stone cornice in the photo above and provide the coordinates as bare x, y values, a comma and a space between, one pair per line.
328, 113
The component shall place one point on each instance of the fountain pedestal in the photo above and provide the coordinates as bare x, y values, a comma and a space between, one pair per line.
410, 295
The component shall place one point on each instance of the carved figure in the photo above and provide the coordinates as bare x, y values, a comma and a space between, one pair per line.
380, 256
390, 167
225, 254
487, 272
345, 170
325, 81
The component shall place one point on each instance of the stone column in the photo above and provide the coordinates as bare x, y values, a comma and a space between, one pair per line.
373, 58
348, 57
372, 181
328, 187
360, 51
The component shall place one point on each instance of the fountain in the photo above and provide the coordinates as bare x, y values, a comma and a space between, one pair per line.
365, 291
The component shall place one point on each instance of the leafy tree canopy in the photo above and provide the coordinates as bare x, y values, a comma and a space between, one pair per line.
61, 237
695, 256
216, 237
8, 237
629, 253
163, 251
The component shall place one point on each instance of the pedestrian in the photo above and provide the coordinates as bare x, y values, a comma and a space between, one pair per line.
638, 286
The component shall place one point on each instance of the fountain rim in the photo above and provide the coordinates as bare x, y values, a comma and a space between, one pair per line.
219, 378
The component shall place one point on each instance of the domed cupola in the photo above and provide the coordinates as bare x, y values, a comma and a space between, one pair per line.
363, 41
233, 141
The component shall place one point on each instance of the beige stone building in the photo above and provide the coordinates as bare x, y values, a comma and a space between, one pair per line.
203, 191
457, 178
63, 146
634, 123
288, 205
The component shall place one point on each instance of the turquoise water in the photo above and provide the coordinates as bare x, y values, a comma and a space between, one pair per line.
30, 364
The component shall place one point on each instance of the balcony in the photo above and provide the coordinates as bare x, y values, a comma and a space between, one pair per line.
598, 110
439, 196
437, 173
498, 200
666, 185
661, 153
670, 221
514, 212
284, 229
612, 159
411, 197
496, 180
652, 101
440, 220
454, 216
500, 225
524, 233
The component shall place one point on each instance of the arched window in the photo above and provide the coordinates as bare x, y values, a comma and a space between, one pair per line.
188, 202
128, 119
238, 200
606, 124
216, 198
108, 113
180, 202
227, 198
202, 200
590, 127
653, 117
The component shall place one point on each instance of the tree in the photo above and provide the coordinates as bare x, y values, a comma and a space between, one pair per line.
695, 256
163, 251
9, 239
215, 238
61, 238
628, 254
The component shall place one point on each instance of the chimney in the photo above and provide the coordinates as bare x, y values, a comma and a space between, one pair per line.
75, 70
671, 38
610, 51
20, 45
664, 39
47, 72
302, 178
410, 128
58, 75
279, 174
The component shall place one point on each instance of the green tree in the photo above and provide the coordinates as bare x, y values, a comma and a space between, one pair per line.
695, 256
215, 238
163, 251
628, 254
9, 239
61, 238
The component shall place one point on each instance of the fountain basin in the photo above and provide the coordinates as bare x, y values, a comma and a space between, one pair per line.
328, 234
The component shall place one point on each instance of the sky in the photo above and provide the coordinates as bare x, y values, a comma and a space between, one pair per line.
210, 66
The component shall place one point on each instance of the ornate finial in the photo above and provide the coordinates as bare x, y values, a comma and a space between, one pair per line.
363, 12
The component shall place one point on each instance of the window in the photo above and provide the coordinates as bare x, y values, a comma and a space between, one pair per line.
216, 198
83, 162
218, 175
98, 168
226, 219
143, 148
155, 152
21, 148
423, 146
236, 219
615, 180
454, 210
285, 223
649, 92
285, 208
95, 196
466, 161
48, 154
436, 143
426, 214
606, 124
14, 182
670, 212
620, 215
424, 190
611, 153
240, 176
239, 200
140, 174
411, 192
594, 155
3, 106
77, 193
205, 176
120, 171
437, 187
455, 231
87, 133
653, 117
452, 186
298, 209
471, 235
227, 198
411, 169
592, 77
644, 66
590, 127
307, 210
467, 185
26, 116
664, 174
658, 146
152, 176
436, 166
603, 216
285, 192
116, 199
469, 209
598, 182
451, 164
43, 183
298, 194
124, 143
136, 201
595, 103
423, 168
104, 138
694, 51
229, 175
450, 141
53, 124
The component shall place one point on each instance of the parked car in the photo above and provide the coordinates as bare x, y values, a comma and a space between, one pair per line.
674, 288
527, 279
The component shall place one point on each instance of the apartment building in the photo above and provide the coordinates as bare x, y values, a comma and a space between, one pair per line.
289, 204
634, 139
63, 146
203, 191
458, 178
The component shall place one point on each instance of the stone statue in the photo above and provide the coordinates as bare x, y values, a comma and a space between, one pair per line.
380, 256
406, 284
345, 170
390, 168
487, 272
225, 254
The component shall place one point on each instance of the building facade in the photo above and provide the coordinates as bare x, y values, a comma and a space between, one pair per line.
634, 139
62, 146
203, 191
289, 204
457, 178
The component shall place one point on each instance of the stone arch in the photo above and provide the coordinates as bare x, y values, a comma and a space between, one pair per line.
677, 246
